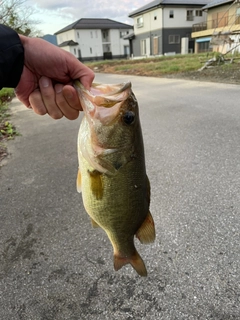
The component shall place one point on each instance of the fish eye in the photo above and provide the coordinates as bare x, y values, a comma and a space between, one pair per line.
128, 117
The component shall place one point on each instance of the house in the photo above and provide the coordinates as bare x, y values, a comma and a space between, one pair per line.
221, 29
165, 26
95, 39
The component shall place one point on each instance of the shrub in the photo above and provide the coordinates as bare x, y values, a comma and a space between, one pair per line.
6, 95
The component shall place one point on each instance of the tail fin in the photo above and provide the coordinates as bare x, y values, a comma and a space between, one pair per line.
135, 260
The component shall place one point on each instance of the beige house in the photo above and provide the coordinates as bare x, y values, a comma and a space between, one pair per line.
221, 30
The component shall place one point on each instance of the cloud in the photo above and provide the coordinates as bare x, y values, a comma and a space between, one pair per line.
57, 14
90, 8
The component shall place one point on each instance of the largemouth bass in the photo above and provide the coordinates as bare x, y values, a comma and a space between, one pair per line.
112, 175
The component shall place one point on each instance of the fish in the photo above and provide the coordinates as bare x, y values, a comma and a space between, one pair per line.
112, 173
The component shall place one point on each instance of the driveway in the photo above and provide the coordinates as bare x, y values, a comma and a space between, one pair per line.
55, 266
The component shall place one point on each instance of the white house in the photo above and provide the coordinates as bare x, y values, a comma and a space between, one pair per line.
165, 26
95, 39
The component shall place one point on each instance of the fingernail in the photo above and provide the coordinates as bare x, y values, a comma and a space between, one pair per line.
44, 82
58, 88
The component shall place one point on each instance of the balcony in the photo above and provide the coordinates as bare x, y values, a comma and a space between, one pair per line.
208, 27
199, 27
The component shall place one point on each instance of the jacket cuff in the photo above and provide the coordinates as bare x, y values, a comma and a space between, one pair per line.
11, 57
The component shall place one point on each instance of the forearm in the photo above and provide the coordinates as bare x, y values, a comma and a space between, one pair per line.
11, 57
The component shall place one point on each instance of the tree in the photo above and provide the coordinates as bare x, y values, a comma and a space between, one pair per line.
15, 14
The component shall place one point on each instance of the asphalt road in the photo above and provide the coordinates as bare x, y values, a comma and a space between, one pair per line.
54, 266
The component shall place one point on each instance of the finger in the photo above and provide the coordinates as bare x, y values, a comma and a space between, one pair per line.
78, 70
71, 97
63, 103
48, 97
87, 77
36, 103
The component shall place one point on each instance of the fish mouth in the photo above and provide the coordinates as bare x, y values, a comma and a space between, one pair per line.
103, 101
106, 90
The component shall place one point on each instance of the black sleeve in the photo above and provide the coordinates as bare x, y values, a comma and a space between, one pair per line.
11, 57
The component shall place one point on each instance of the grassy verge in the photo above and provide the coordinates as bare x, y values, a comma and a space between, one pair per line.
7, 130
157, 67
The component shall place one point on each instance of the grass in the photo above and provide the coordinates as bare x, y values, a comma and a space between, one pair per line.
7, 129
158, 66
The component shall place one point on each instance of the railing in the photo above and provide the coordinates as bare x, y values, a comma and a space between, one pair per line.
199, 27
217, 23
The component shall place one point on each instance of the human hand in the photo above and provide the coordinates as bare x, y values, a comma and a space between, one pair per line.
45, 84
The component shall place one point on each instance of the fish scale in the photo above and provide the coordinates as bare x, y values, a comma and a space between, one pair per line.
112, 174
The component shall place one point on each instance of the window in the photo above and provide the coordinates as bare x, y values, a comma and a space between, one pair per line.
123, 33
171, 14
90, 50
139, 22
189, 15
174, 38
143, 47
75, 51
96, 33
204, 47
155, 17
78, 35
91, 33
198, 13
105, 34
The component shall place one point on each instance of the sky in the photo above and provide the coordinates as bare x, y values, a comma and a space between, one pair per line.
54, 15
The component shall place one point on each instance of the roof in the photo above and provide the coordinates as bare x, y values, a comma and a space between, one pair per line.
68, 43
160, 3
215, 3
92, 23
129, 36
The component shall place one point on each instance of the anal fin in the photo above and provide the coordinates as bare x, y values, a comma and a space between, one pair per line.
146, 233
79, 182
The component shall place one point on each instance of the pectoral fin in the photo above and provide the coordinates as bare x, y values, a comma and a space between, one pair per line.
79, 182
146, 233
96, 184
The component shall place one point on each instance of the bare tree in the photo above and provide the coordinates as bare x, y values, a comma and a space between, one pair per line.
16, 15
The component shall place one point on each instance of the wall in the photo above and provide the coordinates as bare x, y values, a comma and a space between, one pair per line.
65, 36
117, 43
137, 42
176, 47
90, 43
149, 21
215, 10
180, 17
